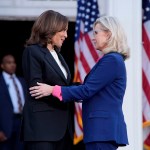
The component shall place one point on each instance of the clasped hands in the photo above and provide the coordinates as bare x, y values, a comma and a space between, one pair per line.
41, 90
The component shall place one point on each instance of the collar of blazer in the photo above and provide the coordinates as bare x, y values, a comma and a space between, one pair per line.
55, 66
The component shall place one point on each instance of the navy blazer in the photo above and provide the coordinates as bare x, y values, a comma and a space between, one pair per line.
102, 95
46, 119
6, 107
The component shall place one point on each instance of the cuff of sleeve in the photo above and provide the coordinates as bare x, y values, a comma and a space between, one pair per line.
57, 92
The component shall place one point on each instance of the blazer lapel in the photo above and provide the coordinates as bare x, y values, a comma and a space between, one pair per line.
66, 67
54, 64
5, 89
91, 71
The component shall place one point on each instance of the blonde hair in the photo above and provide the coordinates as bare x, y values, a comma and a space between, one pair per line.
117, 41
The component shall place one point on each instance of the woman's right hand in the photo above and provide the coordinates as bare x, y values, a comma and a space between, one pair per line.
41, 90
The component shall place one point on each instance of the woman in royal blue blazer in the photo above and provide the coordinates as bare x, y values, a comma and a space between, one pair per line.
103, 89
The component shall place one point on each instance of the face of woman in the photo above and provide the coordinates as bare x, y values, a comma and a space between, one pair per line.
100, 37
59, 38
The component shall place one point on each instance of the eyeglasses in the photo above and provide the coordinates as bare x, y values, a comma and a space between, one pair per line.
96, 31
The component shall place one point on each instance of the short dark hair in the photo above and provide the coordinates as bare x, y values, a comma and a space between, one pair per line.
4, 56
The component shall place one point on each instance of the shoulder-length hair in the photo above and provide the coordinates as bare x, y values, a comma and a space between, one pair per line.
46, 26
117, 41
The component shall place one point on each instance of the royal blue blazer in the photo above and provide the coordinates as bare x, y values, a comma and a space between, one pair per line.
102, 97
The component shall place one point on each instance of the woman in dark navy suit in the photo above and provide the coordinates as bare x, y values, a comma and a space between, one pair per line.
47, 124
103, 89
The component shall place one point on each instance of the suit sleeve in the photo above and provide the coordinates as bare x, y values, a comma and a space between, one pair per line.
32, 66
103, 75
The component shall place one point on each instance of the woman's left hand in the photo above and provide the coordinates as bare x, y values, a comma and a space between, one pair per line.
41, 90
